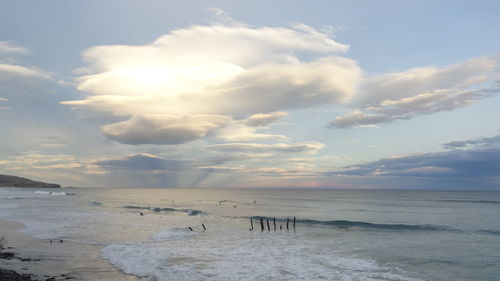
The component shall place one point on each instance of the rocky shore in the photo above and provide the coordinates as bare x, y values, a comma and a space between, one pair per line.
23, 256
12, 275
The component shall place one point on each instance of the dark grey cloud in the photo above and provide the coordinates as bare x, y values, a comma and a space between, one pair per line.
141, 162
222, 159
457, 163
485, 142
475, 165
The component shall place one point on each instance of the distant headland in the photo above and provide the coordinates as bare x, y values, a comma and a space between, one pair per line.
13, 181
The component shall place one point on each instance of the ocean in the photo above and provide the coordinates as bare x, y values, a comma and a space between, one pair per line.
338, 235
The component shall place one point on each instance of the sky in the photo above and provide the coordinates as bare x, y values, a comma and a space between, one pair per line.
254, 94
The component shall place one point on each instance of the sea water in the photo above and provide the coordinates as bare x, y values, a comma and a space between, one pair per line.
338, 234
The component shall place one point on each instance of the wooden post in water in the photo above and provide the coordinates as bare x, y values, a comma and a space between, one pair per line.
268, 228
204, 228
251, 224
287, 221
281, 227
274, 223
293, 223
261, 224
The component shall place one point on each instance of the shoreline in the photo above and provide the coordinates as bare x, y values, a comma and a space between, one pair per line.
44, 261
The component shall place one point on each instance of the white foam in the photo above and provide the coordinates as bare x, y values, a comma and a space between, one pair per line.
130, 261
58, 193
51, 193
42, 192
242, 256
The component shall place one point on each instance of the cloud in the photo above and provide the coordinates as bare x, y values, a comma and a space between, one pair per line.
18, 80
36, 159
297, 171
481, 161
163, 129
240, 132
307, 147
140, 162
358, 118
192, 71
263, 119
10, 72
407, 108
481, 142
415, 81
419, 91
9, 50
221, 88
456, 163
245, 130
222, 17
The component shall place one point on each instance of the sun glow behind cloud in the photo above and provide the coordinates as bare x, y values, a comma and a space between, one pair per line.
217, 72
163, 81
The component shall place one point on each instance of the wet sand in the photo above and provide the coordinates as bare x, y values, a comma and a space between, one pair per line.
54, 261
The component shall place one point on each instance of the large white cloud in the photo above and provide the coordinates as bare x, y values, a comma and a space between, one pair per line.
231, 70
221, 88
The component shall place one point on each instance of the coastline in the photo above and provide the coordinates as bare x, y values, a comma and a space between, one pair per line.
46, 261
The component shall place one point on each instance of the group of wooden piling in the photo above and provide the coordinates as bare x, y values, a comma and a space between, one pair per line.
274, 224
204, 228
262, 225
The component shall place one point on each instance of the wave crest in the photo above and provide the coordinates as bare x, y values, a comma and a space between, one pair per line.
189, 212
344, 224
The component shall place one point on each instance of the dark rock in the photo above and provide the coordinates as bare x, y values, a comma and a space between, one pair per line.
7, 255
13, 181
11, 275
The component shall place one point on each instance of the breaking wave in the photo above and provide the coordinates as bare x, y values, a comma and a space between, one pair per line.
344, 224
470, 201
189, 212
